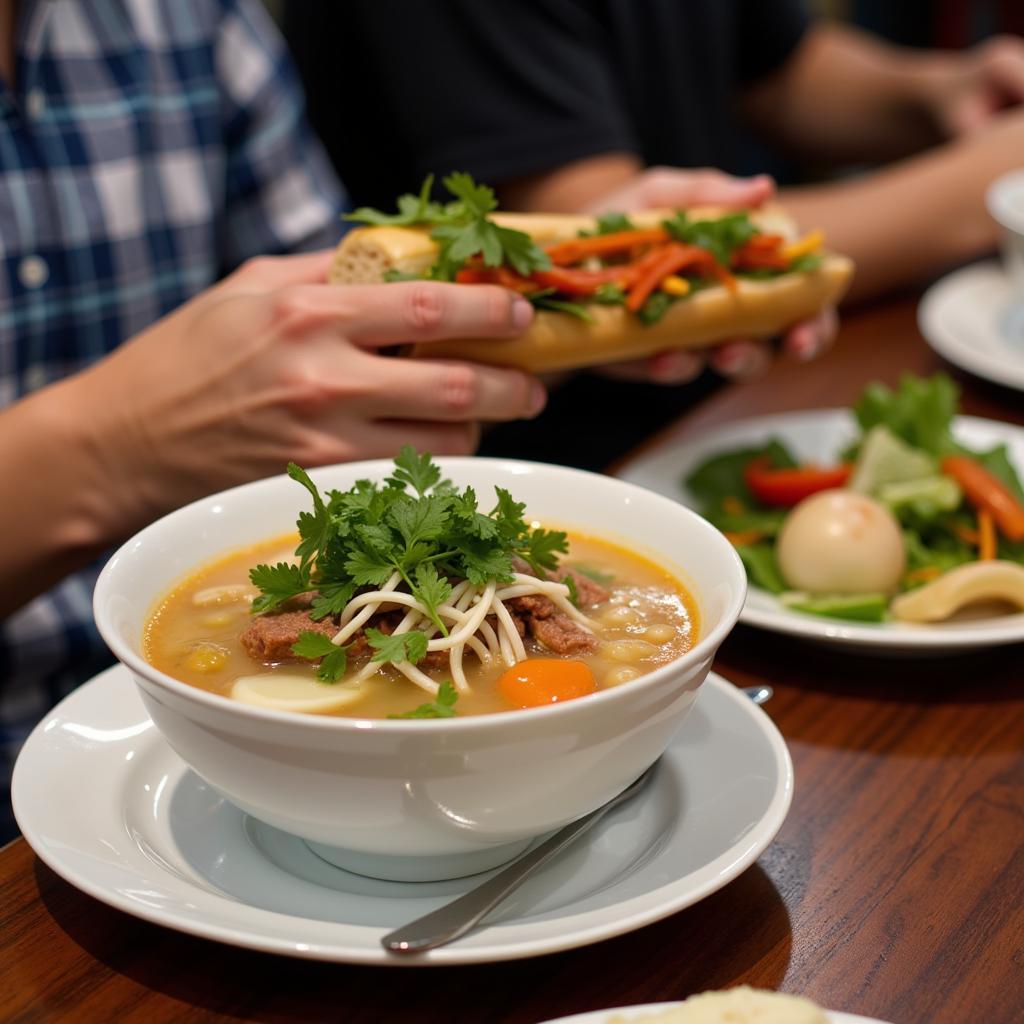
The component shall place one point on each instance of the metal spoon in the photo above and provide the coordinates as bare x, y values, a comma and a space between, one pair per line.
453, 920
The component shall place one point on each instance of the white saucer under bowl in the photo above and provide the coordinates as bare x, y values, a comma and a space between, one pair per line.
630, 1013
106, 804
974, 319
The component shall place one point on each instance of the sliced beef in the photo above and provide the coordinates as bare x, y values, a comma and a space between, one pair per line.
560, 634
531, 606
270, 637
589, 591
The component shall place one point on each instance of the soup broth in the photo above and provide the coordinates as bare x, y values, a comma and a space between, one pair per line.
644, 619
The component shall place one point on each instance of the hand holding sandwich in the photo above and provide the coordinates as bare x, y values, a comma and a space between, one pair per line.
271, 365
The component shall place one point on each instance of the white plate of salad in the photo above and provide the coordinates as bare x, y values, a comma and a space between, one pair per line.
895, 526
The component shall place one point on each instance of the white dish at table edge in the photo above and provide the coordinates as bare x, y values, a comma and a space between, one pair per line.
95, 790
819, 435
631, 1012
973, 319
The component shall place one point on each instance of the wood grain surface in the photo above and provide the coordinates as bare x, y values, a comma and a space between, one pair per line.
893, 890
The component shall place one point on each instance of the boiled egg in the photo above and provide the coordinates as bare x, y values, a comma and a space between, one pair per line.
841, 542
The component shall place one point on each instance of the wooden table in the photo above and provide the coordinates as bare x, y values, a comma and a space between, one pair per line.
894, 889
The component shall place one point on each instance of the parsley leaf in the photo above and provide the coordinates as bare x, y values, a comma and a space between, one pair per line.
422, 519
331, 599
277, 583
610, 295
609, 224
561, 306
721, 237
396, 647
316, 645
432, 591
574, 594
418, 471
411, 209
463, 228
442, 706
368, 567
543, 549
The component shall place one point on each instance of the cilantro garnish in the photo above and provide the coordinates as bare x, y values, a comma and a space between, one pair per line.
397, 647
442, 706
610, 224
610, 295
277, 584
543, 300
415, 525
411, 209
462, 228
721, 237
316, 645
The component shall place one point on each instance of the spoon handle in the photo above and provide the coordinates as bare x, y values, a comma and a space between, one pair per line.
454, 919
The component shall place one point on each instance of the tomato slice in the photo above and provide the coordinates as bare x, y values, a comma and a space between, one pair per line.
788, 487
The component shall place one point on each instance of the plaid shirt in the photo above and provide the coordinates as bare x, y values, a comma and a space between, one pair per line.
150, 146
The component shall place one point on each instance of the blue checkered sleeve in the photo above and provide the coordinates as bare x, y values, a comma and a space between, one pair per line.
146, 148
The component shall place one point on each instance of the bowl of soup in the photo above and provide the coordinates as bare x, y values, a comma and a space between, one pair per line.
419, 671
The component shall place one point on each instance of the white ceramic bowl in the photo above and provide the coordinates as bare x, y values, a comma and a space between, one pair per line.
437, 798
1005, 201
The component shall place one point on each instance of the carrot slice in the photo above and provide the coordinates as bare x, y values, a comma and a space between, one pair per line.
925, 574
575, 249
539, 681
739, 537
984, 491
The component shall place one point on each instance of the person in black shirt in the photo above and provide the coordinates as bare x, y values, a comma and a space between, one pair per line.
562, 104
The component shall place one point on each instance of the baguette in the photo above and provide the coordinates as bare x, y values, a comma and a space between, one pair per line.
557, 341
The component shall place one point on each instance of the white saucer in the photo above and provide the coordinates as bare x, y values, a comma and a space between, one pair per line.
974, 319
633, 1012
819, 436
107, 805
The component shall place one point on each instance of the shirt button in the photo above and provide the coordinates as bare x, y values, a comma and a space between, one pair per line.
33, 272
35, 103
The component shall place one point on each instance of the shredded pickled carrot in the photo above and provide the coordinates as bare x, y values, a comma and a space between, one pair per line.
987, 543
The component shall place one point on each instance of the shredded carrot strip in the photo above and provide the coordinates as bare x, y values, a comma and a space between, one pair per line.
765, 242
668, 259
966, 534
575, 249
925, 574
732, 506
986, 536
739, 537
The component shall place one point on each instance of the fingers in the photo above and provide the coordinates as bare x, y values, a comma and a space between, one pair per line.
669, 367
265, 273
812, 338
674, 187
442, 390
1004, 56
424, 311
741, 360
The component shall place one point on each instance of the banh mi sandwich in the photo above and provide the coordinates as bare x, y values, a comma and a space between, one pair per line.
606, 288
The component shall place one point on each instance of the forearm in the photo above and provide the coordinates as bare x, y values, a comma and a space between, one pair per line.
911, 220
51, 521
848, 96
